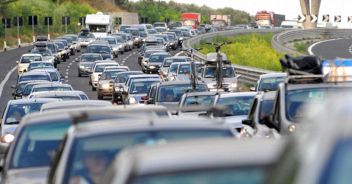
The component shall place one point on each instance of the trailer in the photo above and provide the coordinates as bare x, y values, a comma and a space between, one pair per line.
191, 19
220, 20
99, 24
265, 18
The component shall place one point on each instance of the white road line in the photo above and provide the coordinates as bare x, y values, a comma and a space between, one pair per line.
68, 66
67, 70
7, 77
66, 77
66, 81
310, 49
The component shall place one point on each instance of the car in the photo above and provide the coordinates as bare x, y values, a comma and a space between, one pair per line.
15, 111
55, 50
193, 103
74, 104
97, 70
85, 63
137, 42
63, 51
119, 82
124, 38
170, 93
99, 48
269, 82
117, 136
138, 89
154, 62
40, 65
318, 151
160, 24
230, 79
116, 47
164, 69
236, 107
172, 39
85, 38
75, 42
51, 87
70, 44
144, 55
47, 55
260, 111
131, 78
106, 83
152, 31
63, 95
217, 160
25, 60
25, 88
53, 72
182, 71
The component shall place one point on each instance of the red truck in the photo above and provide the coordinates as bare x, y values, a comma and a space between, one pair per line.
266, 18
191, 19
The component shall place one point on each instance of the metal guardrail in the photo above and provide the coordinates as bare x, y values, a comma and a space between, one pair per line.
249, 75
279, 41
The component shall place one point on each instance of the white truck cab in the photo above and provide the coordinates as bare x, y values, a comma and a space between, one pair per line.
99, 24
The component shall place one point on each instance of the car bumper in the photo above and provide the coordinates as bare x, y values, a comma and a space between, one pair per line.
104, 91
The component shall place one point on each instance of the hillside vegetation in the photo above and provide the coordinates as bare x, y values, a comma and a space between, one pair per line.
248, 50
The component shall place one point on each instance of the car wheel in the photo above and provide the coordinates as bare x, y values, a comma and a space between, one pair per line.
93, 88
79, 74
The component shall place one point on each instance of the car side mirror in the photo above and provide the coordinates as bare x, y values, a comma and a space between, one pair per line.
252, 88
248, 122
17, 62
13, 87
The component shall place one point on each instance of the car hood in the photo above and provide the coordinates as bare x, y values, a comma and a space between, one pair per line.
235, 121
88, 64
155, 64
47, 58
36, 175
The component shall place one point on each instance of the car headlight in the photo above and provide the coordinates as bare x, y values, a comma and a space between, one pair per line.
117, 88
171, 43
120, 46
105, 86
144, 40
152, 67
82, 67
233, 85
8, 138
132, 100
115, 49
291, 128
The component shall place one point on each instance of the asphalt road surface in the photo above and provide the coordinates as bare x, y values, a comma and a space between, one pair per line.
332, 49
68, 69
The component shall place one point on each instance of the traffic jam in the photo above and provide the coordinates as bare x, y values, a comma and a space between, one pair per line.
174, 120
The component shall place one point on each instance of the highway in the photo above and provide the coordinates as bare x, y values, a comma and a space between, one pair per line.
68, 69
332, 49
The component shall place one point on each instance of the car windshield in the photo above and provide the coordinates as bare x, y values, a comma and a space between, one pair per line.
17, 111
184, 69
28, 89
100, 68
270, 84
37, 144
64, 97
97, 28
266, 110
158, 58
60, 45
20, 87
296, 99
98, 49
173, 93
111, 41
227, 72
41, 65
199, 100
91, 148
252, 175
236, 106
34, 77
109, 75
141, 87
122, 78
42, 52
28, 59
152, 31
54, 76
51, 88
90, 58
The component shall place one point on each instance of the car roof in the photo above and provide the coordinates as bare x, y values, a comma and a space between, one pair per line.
178, 57
268, 75
204, 93
317, 85
90, 54
224, 95
75, 104
52, 84
144, 75
161, 53
40, 62
130, 72
199, 155
31, 55
144, 124
58, 93
32, 100
169, 83
34, 72
147, 79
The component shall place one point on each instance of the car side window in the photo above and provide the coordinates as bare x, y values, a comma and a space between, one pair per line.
276, 118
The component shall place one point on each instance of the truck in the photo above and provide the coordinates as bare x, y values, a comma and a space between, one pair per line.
267, 18
99, 24
191, 19
220, 20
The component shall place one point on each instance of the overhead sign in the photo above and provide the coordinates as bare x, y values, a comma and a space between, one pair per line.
349, 19
6, 22
65, 20
314, 18
17, 21
337, 18
32, 20
48, 21
301, 18
326, 18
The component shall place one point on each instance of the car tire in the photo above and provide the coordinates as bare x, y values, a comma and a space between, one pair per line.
93, 88
79, 74
100, 97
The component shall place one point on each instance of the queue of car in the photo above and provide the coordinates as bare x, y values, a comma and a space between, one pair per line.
176, 120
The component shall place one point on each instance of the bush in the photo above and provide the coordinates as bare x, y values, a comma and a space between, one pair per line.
249, 50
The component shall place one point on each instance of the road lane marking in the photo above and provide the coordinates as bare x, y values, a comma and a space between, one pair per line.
310, 49
7, 77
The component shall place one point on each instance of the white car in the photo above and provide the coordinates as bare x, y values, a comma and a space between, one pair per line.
97, 70
26, 59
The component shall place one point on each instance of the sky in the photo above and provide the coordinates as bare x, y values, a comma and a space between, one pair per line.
291, 8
